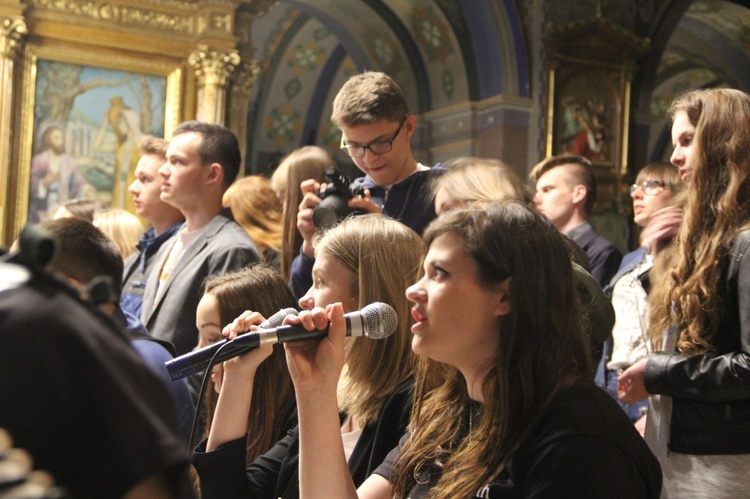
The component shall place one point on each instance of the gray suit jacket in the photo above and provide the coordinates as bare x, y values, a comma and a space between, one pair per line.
223, 247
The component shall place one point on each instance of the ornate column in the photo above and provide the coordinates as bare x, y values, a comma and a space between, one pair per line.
12, 34
247, 74
242, 82
213, 71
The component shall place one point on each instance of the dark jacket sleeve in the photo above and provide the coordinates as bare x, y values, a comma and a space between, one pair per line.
720, 376
605, 264
223, 472
300, 275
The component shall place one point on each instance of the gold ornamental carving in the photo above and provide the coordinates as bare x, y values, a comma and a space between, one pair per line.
213, 68
12, 36
121, 15
244, 77
215, 22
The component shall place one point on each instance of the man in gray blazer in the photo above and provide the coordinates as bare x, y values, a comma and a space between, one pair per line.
202, 161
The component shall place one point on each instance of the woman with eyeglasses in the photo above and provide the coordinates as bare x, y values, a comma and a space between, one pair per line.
698, 380
653, 196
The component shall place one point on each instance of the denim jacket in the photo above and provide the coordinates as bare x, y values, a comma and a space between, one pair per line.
711, 392
628, 263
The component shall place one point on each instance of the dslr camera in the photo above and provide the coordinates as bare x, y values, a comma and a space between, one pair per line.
338, 191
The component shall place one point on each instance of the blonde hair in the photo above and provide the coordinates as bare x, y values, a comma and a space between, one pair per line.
470, 179
308, 162
384, 256
153, 145
256, 208
124, 228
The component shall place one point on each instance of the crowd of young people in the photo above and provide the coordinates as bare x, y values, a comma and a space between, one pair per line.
485, 389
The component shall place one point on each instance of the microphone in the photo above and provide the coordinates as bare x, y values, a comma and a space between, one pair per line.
197, 361
376, 321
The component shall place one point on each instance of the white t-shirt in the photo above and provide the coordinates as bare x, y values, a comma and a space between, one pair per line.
183, 240
350, 441
630, 301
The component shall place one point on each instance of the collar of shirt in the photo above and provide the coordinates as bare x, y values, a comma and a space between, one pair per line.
149, 243
578, 230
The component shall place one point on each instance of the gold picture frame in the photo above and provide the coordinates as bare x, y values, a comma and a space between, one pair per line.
586, 118
78, 85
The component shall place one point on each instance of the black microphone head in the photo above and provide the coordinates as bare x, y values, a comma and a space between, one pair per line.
380, 320
278, 318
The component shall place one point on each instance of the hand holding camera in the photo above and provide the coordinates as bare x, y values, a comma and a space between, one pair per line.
305, 225
326, 204
335, 196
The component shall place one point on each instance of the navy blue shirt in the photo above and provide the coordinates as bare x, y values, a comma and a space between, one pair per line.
137, 267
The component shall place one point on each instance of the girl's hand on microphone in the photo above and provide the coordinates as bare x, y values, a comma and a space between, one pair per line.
316, 365
246, 364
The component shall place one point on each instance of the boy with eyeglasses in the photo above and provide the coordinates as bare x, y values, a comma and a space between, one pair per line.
372, 113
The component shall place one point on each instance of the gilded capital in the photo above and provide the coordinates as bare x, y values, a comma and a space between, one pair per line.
213, 68
12, 36
244, 76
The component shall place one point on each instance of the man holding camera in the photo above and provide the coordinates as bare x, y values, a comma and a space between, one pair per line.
371, 111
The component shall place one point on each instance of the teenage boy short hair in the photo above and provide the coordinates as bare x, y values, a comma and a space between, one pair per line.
580, 172
367, 98
219, 145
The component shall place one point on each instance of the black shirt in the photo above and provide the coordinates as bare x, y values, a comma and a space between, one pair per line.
582, 445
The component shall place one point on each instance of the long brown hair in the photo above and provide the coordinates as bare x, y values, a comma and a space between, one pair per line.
383, 255
301, 164
259, 288
542, 351
718, 206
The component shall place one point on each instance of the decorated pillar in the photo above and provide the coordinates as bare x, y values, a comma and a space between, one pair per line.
242, 82
213, 70
13, 31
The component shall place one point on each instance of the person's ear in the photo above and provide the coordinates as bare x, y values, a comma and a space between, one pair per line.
579, 194
215, 173
410, 126
502, 304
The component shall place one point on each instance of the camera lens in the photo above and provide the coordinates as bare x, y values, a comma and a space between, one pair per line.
332, 209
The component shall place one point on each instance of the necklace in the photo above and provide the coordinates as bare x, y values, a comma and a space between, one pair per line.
471, 423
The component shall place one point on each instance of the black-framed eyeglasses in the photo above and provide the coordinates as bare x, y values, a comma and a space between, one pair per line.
378, 147
649, 187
